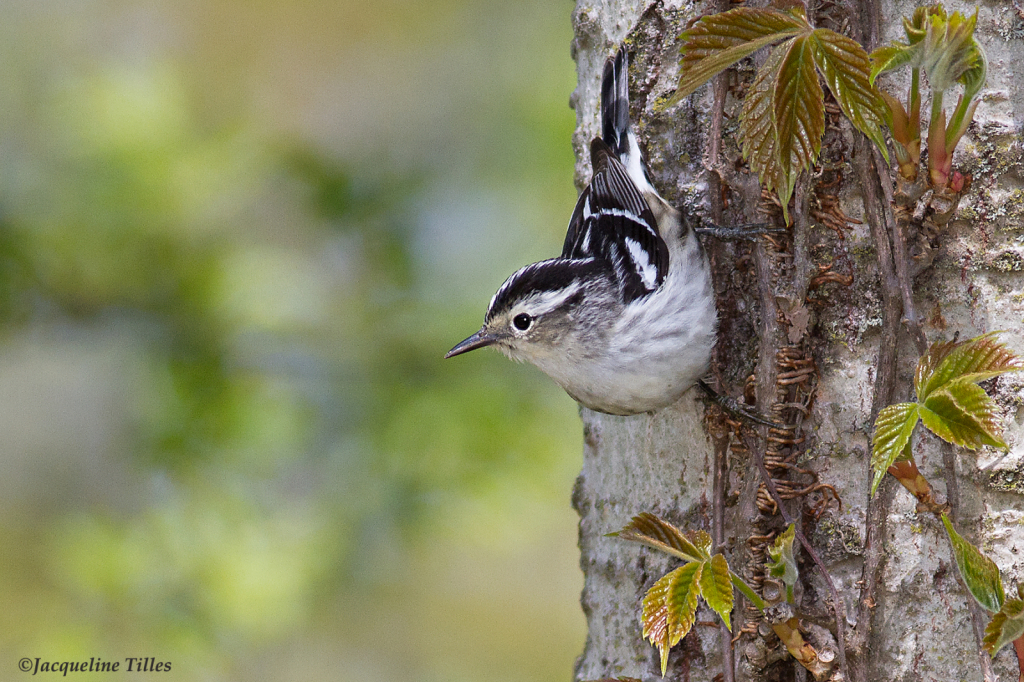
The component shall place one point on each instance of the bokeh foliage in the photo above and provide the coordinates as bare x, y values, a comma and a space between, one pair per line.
235, 241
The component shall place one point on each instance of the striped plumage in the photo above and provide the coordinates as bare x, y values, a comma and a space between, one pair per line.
624, 320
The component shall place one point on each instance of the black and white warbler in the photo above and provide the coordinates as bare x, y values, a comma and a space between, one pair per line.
624, 320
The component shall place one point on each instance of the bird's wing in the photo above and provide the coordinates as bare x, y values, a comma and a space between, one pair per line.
612, 222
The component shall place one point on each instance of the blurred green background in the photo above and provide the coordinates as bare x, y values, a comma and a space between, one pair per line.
236, 238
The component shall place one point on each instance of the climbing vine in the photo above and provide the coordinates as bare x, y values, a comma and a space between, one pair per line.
782, 124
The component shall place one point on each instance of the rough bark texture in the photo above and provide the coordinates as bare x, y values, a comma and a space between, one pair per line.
828, 298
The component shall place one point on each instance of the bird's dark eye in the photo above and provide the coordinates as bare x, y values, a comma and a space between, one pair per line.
522, 322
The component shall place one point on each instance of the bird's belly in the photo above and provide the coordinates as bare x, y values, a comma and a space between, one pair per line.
649, 384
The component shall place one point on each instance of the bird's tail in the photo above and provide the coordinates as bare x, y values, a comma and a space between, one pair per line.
615, 130
615, 103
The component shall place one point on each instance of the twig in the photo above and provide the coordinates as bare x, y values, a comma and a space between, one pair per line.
900, 257
721, 472
885, 387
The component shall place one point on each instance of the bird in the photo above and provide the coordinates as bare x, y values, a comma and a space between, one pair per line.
624, 320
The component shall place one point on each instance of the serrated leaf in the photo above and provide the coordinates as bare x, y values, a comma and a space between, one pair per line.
682, 601
928, 363
799, 108
963, 414
844, 65
702, 541
783, 560
893, 428
654, 616
980, 574
758, 133
718, 41
1005, 626
977, 359
890, 57
670, 608
716, 587
654, 532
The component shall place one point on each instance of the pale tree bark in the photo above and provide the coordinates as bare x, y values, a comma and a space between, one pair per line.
818, 326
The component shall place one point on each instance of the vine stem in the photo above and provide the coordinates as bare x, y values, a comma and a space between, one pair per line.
838, 605
901, 258
721, 471
748, 592
879, 505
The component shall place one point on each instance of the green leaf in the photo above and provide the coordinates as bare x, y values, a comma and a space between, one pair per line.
844, 65
799, 108
682, 600
980, 574
916, 27
670, 608
1005, 626
655, 616
948, 49
977, 359
893, 429
890, 57
716, 587
652, 531
758, 132
718, 41
783, 561
702, 541
974, 77
927, 365
963, 414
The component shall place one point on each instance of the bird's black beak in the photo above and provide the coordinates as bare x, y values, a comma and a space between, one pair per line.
478, 340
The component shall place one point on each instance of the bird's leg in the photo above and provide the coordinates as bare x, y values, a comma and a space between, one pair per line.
735, 408
746, 231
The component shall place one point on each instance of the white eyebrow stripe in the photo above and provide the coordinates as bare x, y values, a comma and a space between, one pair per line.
527, 269
550, 300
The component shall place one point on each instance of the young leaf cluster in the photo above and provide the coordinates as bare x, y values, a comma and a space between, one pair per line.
783, 116
782, 561
943, 47
670, 606
949, 401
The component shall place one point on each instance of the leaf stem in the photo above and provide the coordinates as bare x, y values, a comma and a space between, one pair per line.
748, 592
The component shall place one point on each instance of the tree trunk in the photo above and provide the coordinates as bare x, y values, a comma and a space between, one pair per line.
813, 326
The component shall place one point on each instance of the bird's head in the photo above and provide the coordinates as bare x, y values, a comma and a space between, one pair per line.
534, 315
